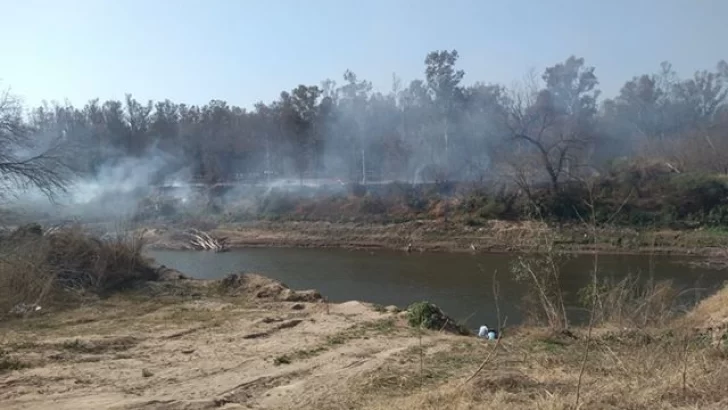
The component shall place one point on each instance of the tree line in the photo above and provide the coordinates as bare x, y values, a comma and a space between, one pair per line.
551, 128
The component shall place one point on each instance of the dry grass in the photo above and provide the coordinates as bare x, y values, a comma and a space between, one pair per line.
659, 361
368, 362
632, 302
626, 370
711, 311
541, 272
60, 266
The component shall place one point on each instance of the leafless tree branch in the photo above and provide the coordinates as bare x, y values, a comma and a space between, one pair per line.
23, 164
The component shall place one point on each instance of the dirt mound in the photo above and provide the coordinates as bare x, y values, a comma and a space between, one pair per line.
265, 288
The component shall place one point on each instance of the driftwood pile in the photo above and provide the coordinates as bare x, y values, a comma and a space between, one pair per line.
204, 241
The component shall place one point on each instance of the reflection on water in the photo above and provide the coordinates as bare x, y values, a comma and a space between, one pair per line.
459, 283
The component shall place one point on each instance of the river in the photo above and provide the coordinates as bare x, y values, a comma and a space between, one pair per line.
461, 284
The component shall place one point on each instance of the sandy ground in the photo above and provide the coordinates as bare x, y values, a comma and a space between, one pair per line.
190, 345
196, 354
428, 236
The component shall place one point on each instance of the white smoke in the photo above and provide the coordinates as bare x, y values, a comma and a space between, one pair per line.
112, 193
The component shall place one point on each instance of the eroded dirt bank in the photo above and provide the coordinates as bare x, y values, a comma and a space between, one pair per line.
194, 345
495, 236
249, 342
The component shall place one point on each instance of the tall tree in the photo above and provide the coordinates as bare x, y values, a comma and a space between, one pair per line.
138, 124
299, 109
352, 109
443, 81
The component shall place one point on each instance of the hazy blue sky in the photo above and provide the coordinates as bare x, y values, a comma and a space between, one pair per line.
243, 51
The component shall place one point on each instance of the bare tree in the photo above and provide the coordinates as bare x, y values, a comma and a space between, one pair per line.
23, 163
552, 125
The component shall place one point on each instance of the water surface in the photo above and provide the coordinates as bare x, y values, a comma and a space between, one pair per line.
462, 284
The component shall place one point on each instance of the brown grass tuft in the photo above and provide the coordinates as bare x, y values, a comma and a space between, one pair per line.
631, 302
63, 265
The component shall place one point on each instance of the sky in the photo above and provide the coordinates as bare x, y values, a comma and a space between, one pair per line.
245, 51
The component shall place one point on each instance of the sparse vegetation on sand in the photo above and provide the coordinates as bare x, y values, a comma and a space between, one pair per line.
448, 236
249, 342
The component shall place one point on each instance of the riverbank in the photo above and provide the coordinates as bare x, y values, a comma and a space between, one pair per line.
432, 236
248, 342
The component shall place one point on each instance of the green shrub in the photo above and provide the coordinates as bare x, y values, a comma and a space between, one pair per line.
480, 204
427, 315
492, 209
696, 193
424, 314
564, 205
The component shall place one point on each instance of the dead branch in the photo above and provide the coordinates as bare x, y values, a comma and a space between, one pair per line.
22, 163
203, 241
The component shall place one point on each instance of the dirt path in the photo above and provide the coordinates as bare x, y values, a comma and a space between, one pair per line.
199, 355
